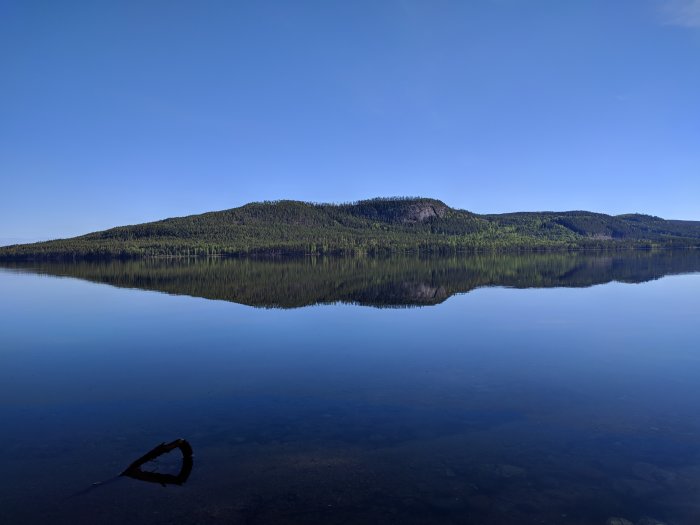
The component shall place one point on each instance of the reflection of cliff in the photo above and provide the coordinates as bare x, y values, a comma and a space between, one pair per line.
381, 282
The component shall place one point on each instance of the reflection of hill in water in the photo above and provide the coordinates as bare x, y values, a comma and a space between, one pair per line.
390, 282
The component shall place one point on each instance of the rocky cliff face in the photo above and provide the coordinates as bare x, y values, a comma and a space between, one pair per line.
404, 211
423, 211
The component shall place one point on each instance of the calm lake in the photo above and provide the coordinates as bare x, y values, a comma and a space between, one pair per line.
557, 389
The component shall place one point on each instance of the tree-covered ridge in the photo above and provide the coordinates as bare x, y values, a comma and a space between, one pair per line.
376, 226
371, 281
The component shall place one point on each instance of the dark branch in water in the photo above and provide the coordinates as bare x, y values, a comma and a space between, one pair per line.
134, 470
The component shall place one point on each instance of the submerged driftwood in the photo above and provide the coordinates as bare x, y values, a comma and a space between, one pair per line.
134, 470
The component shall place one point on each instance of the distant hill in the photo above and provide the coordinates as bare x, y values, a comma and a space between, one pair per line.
385, 225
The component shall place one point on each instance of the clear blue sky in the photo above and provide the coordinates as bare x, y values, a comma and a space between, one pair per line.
123, 112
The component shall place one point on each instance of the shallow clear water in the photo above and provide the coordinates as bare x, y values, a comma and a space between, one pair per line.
537, 389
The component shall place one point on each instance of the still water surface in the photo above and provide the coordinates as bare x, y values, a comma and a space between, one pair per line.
560, 389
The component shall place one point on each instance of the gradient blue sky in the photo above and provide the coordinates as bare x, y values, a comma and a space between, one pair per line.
123, 112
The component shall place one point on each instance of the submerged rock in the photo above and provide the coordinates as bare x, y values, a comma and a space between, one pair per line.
447, 503
509, 471
618, 521
653, 473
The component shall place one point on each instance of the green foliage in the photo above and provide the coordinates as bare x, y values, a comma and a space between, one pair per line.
377, 226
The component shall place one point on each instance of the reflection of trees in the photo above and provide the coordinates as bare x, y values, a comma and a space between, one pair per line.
382, 282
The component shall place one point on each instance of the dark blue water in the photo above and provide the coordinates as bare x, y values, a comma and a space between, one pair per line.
531, 405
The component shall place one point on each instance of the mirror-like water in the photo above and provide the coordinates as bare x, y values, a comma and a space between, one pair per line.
559, 389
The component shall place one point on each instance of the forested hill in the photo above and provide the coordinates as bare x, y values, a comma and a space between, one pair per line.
367, 227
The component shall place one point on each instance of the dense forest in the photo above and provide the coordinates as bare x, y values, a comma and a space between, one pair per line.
377, 226
399, 281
